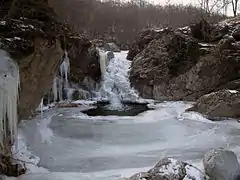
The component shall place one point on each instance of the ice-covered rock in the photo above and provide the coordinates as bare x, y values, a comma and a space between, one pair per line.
221, 164
171, 169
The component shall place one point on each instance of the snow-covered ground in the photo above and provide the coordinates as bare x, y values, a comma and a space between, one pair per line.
62, 144
67, 144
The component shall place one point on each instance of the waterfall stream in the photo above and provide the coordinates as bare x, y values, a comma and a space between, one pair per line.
115, 85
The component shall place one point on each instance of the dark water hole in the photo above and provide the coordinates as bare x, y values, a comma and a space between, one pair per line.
129, 109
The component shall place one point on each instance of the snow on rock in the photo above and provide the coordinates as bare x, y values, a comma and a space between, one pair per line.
193, 173
168, 168
2, 23
171, 169
233, 91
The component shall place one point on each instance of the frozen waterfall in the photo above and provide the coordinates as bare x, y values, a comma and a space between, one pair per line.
65, 68
9, 84
115, 85
61, 82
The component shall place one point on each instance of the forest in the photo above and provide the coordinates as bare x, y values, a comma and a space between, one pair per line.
120, 21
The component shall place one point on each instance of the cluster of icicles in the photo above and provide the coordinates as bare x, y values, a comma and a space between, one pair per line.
9, 86
61, 82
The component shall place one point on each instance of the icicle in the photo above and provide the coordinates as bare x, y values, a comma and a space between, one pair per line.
9, 84
41, 107
55, 89
60, 89
65, 68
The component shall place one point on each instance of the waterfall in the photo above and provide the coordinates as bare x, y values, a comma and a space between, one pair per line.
102, 61
115, 85
9, 84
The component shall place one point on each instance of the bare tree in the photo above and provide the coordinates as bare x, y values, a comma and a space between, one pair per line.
234, 7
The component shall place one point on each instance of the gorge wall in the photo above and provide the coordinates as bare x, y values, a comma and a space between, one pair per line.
187, 63
31, 33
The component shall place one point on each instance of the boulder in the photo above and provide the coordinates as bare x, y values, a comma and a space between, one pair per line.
201, 30
171, 169
163, 59
80, 94
175, 66
219, 105
221, 164
83, 60
236, 33
144, 38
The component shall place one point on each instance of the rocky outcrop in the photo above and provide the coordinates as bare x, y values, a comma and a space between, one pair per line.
163, 59
170, 169
144, 38
177, 66
221, 164
32, 35
84, 61
219, 105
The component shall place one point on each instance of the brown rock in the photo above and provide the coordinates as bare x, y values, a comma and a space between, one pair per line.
201, 30
223, 103
83, 60
36, 72
174, 66
145, 37
163, 59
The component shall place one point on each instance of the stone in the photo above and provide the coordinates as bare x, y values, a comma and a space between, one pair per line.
139, 176
221, 164
236, 33
171, 169
219, 105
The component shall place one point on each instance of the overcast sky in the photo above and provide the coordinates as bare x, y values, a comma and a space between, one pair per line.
185, 2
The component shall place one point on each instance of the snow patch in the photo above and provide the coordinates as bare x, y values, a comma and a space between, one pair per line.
3, 23
233, 91
193, 173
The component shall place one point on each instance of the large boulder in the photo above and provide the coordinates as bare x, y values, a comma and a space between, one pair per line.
175, 66
164, 58
223, 103
221, 164
171, 169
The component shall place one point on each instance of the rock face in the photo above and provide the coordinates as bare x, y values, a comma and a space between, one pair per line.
170, 169
221, 165
32, 35
173, 65
144, 38
223, 103
84, 61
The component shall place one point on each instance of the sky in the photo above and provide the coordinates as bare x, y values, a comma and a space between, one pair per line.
184, 2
